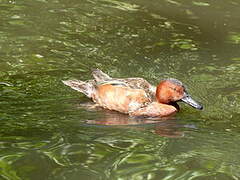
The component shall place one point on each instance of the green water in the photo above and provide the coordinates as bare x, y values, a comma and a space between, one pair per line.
48, 131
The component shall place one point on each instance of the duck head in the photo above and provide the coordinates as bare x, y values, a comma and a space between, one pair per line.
171, 90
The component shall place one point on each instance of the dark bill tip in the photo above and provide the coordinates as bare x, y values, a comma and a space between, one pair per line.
189, 100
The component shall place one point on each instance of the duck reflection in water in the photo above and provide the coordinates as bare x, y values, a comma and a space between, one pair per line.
166, 127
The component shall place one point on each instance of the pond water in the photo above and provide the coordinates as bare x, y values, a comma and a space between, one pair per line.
48, 131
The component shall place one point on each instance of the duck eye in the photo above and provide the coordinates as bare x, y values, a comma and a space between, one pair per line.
173, 88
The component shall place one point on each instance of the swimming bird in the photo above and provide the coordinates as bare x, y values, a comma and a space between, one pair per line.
134, 96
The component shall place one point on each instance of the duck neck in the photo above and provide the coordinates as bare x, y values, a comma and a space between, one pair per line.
175, 105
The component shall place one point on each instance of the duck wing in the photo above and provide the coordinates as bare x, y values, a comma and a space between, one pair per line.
140, 83
102, 78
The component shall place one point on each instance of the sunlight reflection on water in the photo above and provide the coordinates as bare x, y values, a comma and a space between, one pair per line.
49, 132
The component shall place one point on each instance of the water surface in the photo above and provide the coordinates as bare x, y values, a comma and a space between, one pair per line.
49, 131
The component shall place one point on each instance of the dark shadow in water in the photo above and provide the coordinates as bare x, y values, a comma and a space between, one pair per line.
166, 127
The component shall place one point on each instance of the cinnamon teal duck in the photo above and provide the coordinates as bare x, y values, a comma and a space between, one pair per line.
134, 96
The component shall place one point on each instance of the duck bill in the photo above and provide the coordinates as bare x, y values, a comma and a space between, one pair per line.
190, 101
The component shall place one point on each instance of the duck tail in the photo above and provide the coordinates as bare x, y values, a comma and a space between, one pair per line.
85, 87
100, 76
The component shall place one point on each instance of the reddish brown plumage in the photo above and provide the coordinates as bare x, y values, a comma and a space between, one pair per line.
132, 101
169, 92
118, 98
155, 109
134, 96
